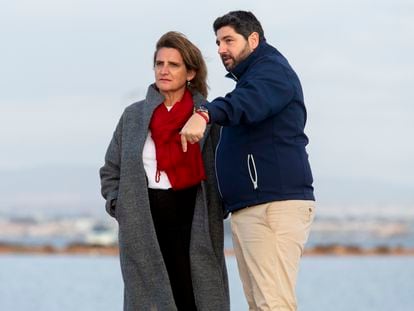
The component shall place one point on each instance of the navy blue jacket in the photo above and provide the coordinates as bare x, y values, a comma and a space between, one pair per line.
261, 156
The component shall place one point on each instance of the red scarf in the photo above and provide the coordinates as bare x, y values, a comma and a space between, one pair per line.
184, 169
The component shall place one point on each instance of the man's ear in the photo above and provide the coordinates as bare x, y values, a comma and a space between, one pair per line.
253, 40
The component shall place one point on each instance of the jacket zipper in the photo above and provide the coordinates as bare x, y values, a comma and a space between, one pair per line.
250, 159
215, 162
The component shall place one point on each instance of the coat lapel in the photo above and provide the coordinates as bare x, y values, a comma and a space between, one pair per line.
152, 100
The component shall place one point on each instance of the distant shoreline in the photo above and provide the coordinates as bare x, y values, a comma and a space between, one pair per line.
112, 250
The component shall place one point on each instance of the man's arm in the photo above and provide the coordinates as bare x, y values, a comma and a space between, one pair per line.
264, 92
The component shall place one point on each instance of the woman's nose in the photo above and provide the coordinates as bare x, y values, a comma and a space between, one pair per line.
164, 70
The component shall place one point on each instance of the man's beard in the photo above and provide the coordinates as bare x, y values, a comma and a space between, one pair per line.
236, 60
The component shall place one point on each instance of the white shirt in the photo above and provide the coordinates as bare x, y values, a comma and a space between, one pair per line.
150, 166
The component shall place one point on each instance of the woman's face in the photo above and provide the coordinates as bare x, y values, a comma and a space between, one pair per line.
171, 75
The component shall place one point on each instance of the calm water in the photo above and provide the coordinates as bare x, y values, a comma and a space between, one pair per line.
80, 283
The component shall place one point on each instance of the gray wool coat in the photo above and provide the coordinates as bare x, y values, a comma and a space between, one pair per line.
123, 182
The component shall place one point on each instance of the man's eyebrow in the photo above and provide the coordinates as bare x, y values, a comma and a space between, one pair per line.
227, 37
224, 38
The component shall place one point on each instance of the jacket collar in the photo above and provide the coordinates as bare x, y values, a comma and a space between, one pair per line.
262, 49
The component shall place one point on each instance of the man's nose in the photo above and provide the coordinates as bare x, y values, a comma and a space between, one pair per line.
221, 49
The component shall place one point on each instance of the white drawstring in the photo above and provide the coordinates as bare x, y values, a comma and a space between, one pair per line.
254, 180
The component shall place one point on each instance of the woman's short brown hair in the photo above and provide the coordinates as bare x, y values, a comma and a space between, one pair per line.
193, 59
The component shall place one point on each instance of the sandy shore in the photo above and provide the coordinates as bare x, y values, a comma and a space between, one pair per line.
84, 249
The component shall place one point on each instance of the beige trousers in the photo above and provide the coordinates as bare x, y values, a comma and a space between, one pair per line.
268, 241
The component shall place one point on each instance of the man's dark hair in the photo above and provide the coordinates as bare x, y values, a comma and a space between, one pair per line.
243, 22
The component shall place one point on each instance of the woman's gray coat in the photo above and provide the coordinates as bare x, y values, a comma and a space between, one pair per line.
124, 186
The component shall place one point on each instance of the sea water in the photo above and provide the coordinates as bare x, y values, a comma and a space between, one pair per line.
89, 283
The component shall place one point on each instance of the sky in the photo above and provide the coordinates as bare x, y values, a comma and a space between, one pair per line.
69, 68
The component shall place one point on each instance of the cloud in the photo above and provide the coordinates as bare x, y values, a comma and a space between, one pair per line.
57, 130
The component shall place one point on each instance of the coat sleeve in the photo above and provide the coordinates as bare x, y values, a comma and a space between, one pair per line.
264, 92
110, 172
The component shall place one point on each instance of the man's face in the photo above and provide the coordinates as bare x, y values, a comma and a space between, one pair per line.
232, 47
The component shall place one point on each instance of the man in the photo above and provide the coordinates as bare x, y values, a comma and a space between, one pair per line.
262, 165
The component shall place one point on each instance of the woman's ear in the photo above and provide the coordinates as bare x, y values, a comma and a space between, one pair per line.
190, 75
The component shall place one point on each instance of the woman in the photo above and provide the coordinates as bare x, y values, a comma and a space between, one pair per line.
166, 201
